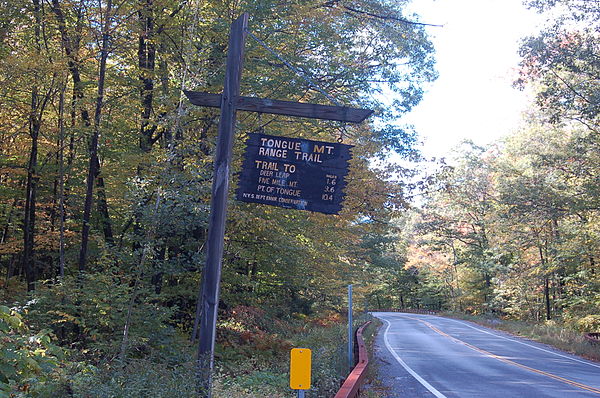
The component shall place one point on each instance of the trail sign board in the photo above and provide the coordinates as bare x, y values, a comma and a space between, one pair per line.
294, 173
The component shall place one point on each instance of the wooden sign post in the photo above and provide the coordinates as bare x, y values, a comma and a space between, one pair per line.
230, 101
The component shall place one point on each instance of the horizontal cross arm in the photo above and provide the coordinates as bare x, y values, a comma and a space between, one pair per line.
289, 108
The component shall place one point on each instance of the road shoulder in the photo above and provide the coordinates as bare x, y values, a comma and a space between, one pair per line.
390, 379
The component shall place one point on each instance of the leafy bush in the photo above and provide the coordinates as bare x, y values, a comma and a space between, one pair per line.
26, 360
254, 349
589, 324
88, 313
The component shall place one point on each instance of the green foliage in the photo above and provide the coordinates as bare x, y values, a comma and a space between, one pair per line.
139, 378
27, 360
248, 375
88, 313
260, 383
589, 324
562, 63
121, 314
512, 229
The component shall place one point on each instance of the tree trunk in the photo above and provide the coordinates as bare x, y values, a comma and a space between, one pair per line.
94, 163
61, 181
547, 296
102, 206
35, 121
87, 209
146, 63
30, 197
70, 44
10, 271
9, 216
543, 262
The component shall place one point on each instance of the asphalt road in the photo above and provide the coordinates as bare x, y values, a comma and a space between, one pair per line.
425, 356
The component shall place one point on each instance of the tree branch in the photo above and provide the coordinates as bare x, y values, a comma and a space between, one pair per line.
388, 17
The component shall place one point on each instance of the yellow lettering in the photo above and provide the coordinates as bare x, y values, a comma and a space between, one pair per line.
262, 164
278, 153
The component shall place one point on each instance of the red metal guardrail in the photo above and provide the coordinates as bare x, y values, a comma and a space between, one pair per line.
356, 378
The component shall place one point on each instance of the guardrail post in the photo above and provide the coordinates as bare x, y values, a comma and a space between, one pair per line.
350, 331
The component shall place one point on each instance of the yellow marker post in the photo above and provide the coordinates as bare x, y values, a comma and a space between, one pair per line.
300, 370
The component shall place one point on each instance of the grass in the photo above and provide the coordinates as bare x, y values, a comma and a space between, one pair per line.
252, 361
374, 387
255, 375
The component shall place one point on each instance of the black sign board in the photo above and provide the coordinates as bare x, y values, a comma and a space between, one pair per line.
294, 173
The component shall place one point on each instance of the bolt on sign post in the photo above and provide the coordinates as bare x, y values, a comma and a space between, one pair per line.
300, 370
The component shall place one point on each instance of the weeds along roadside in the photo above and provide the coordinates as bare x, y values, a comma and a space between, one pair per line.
373, 386
252, 361
260, 373
326, 336
552, 333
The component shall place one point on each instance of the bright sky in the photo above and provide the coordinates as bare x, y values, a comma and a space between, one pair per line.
477, 54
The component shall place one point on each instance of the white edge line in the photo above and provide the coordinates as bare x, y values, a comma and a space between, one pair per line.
528, 345
406, 367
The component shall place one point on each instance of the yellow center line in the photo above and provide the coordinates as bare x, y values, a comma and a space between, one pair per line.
508, 361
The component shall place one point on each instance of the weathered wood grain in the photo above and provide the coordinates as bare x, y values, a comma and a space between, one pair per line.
289, 108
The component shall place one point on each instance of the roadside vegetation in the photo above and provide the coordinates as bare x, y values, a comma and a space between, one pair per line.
253, 351
105, 182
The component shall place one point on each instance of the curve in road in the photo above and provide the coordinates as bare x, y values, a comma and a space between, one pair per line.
452, 358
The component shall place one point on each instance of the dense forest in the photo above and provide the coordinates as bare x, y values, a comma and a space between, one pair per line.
512, 228
106, 175
106, 169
